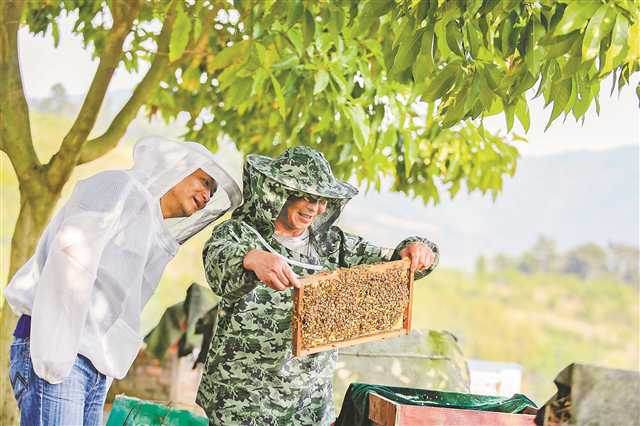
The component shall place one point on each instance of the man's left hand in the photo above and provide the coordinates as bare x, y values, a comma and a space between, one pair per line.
420, 255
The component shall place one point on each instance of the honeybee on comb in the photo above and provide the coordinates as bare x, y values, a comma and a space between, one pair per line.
351, 306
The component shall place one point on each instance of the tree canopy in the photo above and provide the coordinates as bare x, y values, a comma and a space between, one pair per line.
382, 87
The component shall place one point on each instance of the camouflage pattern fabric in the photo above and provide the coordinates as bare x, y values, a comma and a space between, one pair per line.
293, 167
250, 375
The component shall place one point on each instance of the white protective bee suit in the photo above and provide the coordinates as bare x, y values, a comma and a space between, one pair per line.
102, 255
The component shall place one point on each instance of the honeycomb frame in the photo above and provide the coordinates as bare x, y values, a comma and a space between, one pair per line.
387, 306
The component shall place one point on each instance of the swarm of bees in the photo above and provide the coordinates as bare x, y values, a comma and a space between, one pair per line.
353, 302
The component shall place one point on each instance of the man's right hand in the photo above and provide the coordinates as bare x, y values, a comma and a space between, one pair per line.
272, 270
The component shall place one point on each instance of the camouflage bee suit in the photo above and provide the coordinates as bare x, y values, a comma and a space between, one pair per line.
250, 376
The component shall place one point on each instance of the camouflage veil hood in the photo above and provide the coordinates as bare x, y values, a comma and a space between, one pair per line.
251, 376
268, 183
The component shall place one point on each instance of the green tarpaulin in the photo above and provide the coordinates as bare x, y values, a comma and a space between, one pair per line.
355, 408
128, 411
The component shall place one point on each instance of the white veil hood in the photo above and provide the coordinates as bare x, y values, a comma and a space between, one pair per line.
160, 163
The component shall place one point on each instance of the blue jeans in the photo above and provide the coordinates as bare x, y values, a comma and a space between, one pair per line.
78, 400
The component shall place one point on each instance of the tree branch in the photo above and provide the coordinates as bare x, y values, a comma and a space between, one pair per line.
95, 148
62, 163
15, 129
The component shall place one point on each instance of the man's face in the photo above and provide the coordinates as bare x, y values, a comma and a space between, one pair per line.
300, 211
193, 192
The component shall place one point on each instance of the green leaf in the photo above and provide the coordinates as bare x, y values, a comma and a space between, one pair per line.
534, 58
191, 79
359, 125
407, 52
323, 42
338, 77
370, 11
522, 112
457, 110
581, 105
486, 94
308, 28
258, 81
472, 7
505, 36
228, 76
509, 110
238, 92
561, 93
634, 44
179, 34
557, 46
616, 51
280, 98
336, 21
572, 97
261, 53
473, 95
572, 66
576, 15
426, 50
228, 56
454, 37
524, 83
407, 29
322, 79
294, 35
286, 63
442, 82
421, 70
599, 27
526, 39
475, 38
374, 47
440, 34
55, 32
295, 11
389, 137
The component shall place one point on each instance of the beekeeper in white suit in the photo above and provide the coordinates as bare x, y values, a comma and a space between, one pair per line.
96, 265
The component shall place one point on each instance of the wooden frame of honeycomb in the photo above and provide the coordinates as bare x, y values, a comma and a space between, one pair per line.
351, 306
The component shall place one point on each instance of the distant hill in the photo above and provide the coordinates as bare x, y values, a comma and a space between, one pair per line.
573, 198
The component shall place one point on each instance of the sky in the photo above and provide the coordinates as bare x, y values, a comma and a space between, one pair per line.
618, 124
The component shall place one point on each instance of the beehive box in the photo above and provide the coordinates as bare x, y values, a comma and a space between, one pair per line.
351, 306
384, 412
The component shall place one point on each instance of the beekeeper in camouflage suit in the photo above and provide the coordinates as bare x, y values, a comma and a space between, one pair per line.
284, 229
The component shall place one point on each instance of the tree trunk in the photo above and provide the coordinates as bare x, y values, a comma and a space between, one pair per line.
31, 222
41, 185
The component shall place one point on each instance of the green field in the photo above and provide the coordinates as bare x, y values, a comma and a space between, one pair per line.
543, 322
